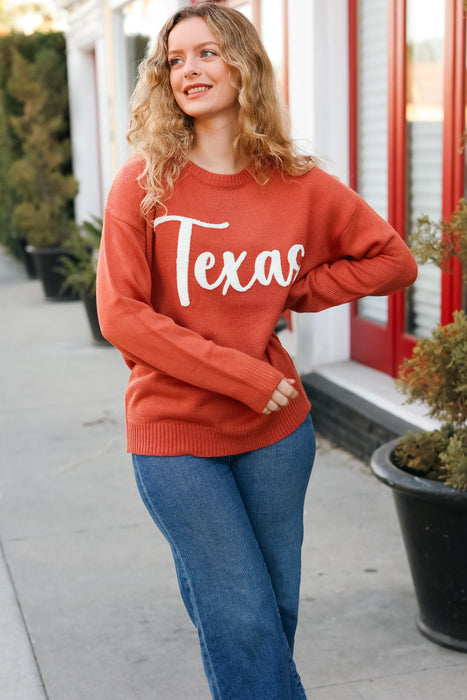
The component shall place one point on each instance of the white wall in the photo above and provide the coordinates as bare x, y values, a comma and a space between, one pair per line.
98, 95
318, 90
90, 108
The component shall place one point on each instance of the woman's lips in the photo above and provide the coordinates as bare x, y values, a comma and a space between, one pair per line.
191, 90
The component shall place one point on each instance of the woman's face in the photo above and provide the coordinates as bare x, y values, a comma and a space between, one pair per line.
202, 83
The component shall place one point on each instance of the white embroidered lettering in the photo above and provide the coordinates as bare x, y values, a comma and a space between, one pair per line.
292, 256
205, 261
264, 273
275, 268
231, 266
183, 250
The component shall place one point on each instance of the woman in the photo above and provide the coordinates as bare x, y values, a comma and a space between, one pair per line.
212, 230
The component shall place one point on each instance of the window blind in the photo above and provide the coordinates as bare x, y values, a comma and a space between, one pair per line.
372, 124
424, 151
424, 133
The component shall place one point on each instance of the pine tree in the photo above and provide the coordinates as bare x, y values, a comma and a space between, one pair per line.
42, 175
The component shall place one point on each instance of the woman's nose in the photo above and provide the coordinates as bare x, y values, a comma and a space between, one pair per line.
191, 67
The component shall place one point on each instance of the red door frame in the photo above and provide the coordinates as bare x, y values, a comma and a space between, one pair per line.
384, 347
401, 342
371, 344
453, 155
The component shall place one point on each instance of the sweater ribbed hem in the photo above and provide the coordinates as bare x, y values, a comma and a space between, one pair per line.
172, 439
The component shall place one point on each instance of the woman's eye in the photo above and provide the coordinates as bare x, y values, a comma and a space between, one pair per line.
177, 60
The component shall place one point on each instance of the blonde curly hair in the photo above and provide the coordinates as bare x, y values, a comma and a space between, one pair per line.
164, 134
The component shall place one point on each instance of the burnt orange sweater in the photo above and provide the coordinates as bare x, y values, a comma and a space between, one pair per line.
191, 299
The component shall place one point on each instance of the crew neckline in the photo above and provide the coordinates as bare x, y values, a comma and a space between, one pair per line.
218, 180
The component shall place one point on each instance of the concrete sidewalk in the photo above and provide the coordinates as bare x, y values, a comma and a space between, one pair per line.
89, 605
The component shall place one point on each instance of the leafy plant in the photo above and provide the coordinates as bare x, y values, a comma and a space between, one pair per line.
436, 374
79, 267
439, 242
5, 163
41, 175
11, 147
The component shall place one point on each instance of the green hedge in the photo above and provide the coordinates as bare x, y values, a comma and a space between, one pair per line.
36, 185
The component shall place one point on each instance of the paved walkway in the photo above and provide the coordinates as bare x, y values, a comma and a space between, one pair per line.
89, 607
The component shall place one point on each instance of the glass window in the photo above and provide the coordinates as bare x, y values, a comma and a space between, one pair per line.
142, 20
137, 24
425, 66
269, 16
244, 7
136, 39
272, 27
372, 135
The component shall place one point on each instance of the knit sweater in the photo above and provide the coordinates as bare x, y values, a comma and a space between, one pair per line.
191, 299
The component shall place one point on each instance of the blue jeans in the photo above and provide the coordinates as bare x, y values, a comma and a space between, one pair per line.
235, 527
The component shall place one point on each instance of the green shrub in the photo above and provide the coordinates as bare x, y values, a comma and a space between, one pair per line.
436, 373
35, 167
79, 268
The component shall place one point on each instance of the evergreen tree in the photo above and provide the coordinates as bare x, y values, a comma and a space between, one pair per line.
41, 175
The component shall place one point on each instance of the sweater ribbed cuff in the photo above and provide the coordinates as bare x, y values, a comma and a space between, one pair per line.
258, 380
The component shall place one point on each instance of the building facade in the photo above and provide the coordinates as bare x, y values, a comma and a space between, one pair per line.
376, 88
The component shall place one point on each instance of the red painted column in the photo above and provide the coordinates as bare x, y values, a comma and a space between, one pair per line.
453, 154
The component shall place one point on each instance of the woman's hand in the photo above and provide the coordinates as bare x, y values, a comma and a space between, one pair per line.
282, 394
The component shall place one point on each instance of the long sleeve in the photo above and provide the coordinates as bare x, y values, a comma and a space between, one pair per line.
369, 258
191, 299
129, 321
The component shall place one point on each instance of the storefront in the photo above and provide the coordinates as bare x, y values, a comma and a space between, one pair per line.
407, 117
375, 87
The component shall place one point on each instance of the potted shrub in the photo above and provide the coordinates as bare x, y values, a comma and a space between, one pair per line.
428, 470
11, 148
41, 175
79, 267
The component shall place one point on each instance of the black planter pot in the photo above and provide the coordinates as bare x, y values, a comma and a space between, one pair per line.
20, 249
90, 305
433, 520
47, 262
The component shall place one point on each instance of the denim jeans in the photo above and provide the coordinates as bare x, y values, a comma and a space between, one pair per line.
235, 527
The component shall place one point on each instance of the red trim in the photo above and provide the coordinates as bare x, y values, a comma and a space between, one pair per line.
370, 343
383, 347
459, 93
397, 99
449, 80
256, 14
453, 158
397, 164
